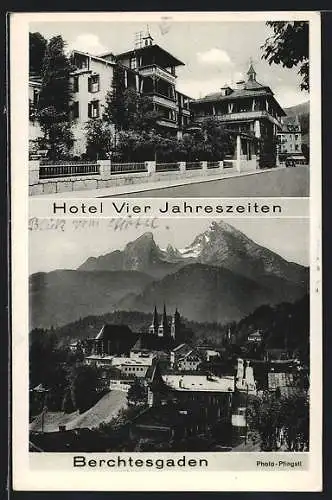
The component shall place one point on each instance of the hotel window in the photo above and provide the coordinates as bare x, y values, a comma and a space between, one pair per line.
94, 83
75, 110
75, 84
133, 63
93, 109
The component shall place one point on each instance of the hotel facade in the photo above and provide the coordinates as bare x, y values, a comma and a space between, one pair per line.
250, 108
148, 69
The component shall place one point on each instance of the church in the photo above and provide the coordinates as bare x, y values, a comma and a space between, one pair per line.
163, 328
118, 340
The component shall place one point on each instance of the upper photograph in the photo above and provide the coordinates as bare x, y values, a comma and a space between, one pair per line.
169, 109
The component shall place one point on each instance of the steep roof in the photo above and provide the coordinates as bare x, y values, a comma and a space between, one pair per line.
154, 49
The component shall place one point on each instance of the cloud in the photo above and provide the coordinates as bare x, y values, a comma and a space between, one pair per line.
200, 88
88, 42
196, 88
213, 56
289, 96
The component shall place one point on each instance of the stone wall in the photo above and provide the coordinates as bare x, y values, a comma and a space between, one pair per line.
106, 179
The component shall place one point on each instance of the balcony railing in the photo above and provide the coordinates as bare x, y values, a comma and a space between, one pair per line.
244, 115
168, 102
154, 70
165, 122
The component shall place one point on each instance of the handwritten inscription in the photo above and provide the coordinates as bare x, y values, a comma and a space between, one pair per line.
115, 224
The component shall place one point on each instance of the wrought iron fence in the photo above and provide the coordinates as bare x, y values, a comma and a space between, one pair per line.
50, 170
193, 165
213, 164
229, 163
167, 167
128, 168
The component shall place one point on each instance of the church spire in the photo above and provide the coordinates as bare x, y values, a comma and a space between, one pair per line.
251, 72
155, 323
163, 327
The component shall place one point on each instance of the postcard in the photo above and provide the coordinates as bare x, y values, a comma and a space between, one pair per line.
166, 251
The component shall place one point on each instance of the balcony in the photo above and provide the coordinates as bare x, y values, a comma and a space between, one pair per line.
244, 115
154, 70
164, 122
164, 101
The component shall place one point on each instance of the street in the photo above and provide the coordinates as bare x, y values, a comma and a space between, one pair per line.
285, 182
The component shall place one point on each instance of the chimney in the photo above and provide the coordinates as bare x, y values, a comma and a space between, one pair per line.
240, 85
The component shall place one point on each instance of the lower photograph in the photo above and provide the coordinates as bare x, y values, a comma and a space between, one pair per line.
169, 335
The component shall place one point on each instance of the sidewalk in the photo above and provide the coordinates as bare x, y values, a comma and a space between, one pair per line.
149, 186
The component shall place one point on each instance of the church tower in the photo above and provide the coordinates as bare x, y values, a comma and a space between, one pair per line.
163, 329
176, 324
153, 328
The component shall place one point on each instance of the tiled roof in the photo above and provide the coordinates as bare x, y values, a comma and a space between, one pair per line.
236, 94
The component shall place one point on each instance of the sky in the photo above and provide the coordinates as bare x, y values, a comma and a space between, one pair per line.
68, 249
214, 53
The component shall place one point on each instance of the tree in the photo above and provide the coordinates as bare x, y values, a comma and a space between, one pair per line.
99, 138
37, 49
289, 46
137, 394
219, 141
141, 114
54, 103
84, 381
127, 109
274, 415
115, 108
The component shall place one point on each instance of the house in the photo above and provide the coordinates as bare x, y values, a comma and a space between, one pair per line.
185, 358
168, 423
290, 137
255, 337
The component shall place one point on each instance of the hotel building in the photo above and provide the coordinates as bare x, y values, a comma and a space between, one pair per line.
148, 69
250, 108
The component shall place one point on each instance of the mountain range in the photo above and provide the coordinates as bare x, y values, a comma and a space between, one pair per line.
221, 276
